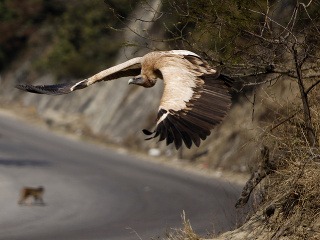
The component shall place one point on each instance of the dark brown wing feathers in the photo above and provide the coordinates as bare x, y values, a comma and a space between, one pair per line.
208, 107
56, 89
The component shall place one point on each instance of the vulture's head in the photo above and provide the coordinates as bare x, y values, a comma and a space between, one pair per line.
149, 71
143, 80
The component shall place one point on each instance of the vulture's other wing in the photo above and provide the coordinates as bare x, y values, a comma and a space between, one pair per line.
195, 99
131, 67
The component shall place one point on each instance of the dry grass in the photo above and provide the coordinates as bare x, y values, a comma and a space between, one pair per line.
185, 233
294, 188
292, 192
289, 206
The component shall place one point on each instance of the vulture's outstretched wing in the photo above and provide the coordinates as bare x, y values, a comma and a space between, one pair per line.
131, 67
195, 99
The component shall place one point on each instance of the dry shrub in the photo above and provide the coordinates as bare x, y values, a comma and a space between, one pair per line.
294, 188
186, 233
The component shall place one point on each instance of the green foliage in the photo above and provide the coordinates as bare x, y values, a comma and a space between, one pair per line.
17, 21
79, 39
83, 43
212, 26
6, 13
246, 32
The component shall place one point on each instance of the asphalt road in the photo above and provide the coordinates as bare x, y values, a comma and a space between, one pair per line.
95, 193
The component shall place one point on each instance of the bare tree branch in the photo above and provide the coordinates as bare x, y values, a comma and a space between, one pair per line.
312, 86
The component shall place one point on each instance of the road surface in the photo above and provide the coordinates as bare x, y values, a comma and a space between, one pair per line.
95, 193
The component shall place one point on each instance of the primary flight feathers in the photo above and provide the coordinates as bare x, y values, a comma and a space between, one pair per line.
195, 98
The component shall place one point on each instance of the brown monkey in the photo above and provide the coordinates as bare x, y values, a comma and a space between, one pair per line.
36, 193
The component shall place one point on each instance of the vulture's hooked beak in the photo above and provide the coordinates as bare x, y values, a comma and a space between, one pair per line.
136, 80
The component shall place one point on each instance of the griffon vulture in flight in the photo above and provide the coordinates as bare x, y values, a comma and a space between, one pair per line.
195, 98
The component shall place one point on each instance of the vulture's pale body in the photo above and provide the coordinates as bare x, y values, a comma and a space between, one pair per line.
195, 98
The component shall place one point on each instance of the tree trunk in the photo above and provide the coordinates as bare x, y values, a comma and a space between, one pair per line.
310, 132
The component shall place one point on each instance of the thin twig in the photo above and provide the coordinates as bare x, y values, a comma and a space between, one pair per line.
312, 86
285, 120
